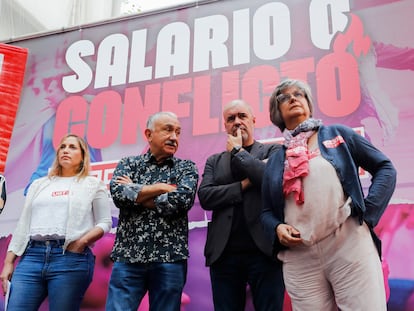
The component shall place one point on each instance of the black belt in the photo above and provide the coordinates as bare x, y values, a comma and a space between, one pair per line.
52, 243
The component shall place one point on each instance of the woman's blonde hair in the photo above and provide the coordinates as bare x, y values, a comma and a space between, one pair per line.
84, 167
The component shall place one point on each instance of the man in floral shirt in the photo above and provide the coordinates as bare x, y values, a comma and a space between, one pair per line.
154, 193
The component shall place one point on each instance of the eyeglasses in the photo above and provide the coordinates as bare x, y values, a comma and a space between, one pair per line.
283, 98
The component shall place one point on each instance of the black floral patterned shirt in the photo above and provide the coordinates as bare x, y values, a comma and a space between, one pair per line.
157, 234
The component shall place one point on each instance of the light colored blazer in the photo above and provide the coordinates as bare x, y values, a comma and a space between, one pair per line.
88, 207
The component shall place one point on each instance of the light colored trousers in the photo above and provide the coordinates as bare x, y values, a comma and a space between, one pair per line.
341, 271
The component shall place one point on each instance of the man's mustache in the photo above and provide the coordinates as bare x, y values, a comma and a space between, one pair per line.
171, 143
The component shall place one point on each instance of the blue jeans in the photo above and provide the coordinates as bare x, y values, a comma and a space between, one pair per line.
231, 274
130, 281
45, 271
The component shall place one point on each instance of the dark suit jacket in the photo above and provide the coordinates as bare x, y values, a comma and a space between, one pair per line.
220, 192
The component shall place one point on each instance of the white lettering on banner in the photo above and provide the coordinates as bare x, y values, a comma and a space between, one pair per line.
210, 36
83, 73
103, 170
112, 61
327, 18
271, 31
173, 50
1, 62
241, 44
217, 43
138, 71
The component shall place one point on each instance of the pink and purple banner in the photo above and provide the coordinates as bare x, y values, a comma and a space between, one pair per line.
103, 81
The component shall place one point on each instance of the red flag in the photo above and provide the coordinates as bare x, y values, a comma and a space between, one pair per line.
12, 68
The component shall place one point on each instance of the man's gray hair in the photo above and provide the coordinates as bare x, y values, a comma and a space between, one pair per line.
238, 102
153, 118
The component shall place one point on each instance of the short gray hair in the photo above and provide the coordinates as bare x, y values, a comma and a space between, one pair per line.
153, 118
238, 102
275, 115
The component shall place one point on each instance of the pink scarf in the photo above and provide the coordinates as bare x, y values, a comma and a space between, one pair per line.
296, 165
297, 157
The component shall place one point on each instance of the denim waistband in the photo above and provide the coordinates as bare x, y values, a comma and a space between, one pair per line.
52, 243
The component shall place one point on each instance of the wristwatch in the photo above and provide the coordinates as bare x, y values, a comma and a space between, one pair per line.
235, 150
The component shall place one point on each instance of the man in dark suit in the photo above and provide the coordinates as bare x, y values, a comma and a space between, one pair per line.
236, 250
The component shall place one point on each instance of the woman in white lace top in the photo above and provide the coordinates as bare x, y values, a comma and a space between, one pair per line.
63, 215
